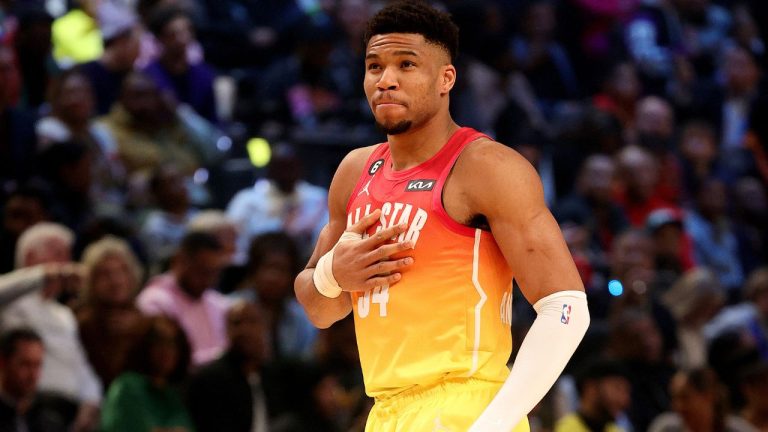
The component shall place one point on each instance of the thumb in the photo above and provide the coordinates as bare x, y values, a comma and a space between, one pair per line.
365, 222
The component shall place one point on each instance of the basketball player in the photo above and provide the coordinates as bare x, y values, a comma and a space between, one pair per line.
426, 233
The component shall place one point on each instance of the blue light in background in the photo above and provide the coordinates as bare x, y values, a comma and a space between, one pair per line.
615, 288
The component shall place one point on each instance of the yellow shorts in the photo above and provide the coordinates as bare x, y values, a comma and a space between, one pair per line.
451, 406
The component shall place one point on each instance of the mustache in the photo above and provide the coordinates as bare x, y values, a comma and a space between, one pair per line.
385, 98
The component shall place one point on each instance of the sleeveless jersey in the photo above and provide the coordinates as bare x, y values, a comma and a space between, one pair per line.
449, 315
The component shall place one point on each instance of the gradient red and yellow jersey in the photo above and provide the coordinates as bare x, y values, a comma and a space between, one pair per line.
450, 314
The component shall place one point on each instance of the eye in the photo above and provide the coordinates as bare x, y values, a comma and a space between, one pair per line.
373, 66
407, 64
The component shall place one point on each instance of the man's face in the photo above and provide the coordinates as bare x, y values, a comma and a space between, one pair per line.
200, 271
407, 80
52, 251
176, 35
614, 394
247, 331
21, 371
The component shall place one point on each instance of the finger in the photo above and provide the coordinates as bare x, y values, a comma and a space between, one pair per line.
378, 281
383, 252
363, 224
387, 234
385, 268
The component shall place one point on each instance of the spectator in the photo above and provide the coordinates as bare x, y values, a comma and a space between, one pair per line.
280, 202
189, 83
635, 341
591, 205
620, 94
639, 194
166, 224
66, 167
217, 223
699, 405
186, 294
16, 126
541, 58
699, 156
750, 211
232, 393
23, 407
149, 130
66, 370
655, 130
672, 248
273, 263
144, 398
108, 321
694, 300
71, 119
604, 394
34, 53
25, 206
120, 35
714, 241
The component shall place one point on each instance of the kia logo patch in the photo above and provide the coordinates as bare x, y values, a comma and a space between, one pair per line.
420, 185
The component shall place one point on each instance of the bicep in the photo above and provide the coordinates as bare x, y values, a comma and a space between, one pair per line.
523, 226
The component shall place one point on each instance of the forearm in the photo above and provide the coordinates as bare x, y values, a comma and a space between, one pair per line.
20, 282
322, 311
558, 329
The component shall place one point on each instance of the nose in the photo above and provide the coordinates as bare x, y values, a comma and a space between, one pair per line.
388, 80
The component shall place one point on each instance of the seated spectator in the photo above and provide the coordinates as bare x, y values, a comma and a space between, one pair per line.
754, 385
22, 406
166, 224
108, 321
639, 194
144, 398
32, 41
620, 94
25, 206
233, 393
749, 319
714, 240
66, 168
17, 126
273, 263
280, 202
217, 223
750, 211
699, 156
189, 83
636, 342
66, 370
694, 300
539, 55
672, 246
71, 119
604, 393
149, 130
698, 405
654, 131
120, 34
591, 205
186, 294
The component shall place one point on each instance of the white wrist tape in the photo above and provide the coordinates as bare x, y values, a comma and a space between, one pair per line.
560, 325
323, 278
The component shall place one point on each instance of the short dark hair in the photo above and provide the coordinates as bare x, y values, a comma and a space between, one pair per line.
272, 242
597, 369
196, 241
139, 359
9, 341
159, 18
416, 16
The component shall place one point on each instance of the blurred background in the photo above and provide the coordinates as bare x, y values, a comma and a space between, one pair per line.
164, 167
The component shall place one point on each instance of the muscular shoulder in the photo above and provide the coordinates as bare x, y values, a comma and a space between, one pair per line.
507, 181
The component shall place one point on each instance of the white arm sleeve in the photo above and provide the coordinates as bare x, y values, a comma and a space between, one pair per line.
560, 325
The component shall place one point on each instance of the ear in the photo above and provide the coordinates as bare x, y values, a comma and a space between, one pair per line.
447, 79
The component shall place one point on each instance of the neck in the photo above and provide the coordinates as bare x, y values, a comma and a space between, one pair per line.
415, 146
175, 64
757, 417
702, 422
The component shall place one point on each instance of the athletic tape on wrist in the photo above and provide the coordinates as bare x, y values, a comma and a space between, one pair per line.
325, 282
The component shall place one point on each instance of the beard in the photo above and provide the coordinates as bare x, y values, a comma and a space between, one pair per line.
395, 129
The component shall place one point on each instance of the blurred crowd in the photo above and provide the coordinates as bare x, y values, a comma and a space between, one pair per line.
147, 261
